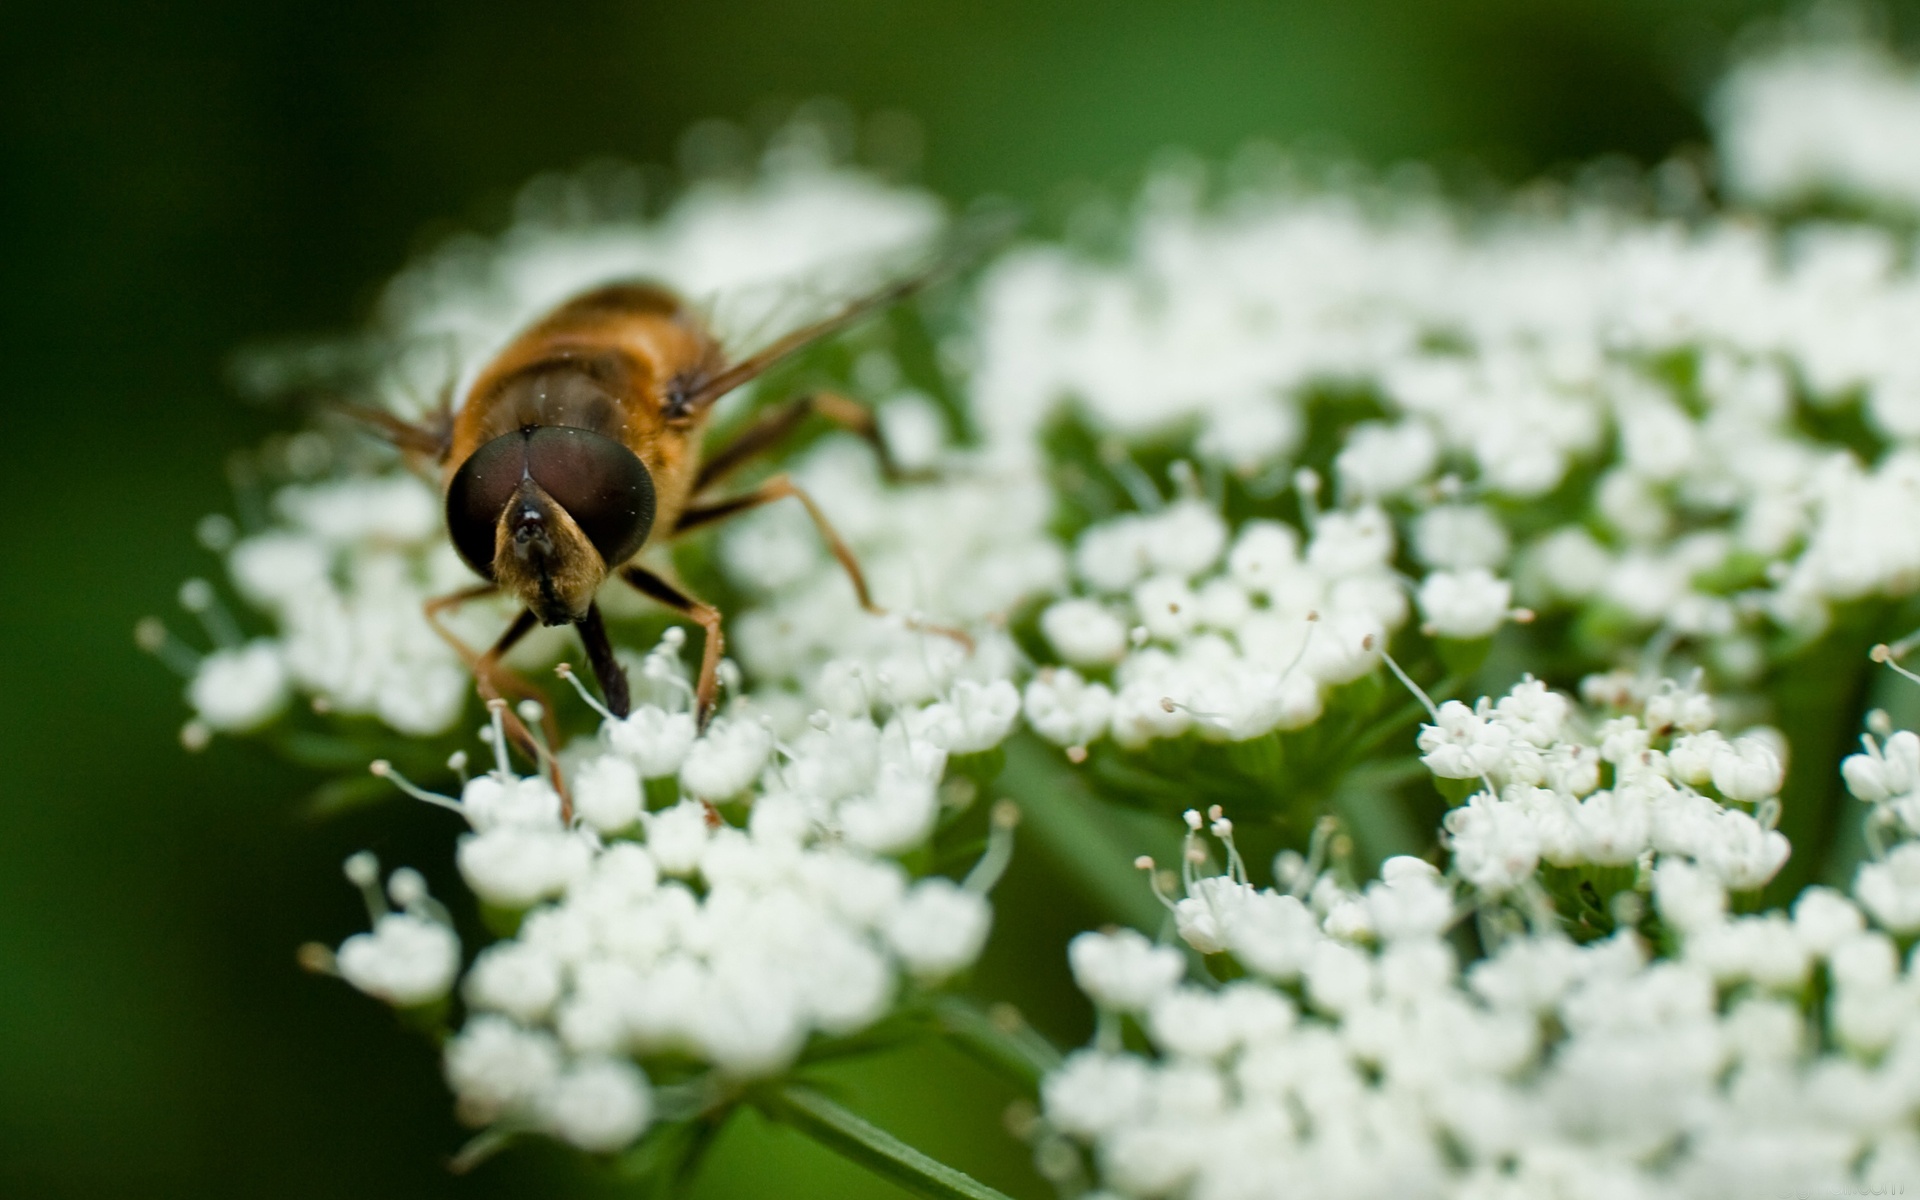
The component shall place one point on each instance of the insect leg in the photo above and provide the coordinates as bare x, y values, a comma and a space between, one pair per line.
773, 428
490, 678
428, 438
606, 668
779, 488
651, 585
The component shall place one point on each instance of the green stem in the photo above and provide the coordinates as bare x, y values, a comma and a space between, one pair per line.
1007, 1044
852, 1137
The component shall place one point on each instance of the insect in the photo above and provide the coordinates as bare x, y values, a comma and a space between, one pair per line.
580, 445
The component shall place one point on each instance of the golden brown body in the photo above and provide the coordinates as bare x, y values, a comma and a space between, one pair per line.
618, 361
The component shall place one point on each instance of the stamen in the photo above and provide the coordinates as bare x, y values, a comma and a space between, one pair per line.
1407, 680
195, 736
497, 711
1884, 653
1223, 829
1299, 656
198, 597
1905, 645
1191, 854
1154, 881
408, 888
993, 864
363, 871
457, 763
152, 635
1309, 873
385, 770
565, 671
1880, 722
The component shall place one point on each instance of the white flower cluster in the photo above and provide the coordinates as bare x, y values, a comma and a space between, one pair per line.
1661, 365
1357, 1058
343, 575
1835, 119
1229, 641
1672, 781
676, 932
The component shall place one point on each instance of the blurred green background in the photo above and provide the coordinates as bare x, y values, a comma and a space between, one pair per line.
179, 180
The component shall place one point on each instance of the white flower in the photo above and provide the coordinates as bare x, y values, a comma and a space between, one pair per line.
496, 1067
655, 740
1460, 537
1084, 632
1462, 744
240, 689
1066, 709
1747, 769
606, 793
1166, 606
1122, 970
1094, 1094
1880, 775
1409, 901
727, 758
516, 978
1495, 845
1351, 543
600, 1105
939, 928
498, 801
1745, 854
677, 837
1824, 918
1890, 890
1465, 604
1273, 934
975, 717
1383, 460
406, 960
1265, 557
516, 867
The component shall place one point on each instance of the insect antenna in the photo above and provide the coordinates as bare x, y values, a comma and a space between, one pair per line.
972, 241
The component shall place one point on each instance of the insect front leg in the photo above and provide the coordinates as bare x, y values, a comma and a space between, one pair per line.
780, 487
492, 679
706, 690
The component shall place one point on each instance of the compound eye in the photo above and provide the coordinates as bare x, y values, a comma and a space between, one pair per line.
603, 486
479, 494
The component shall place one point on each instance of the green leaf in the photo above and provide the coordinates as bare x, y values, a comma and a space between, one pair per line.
851, 1136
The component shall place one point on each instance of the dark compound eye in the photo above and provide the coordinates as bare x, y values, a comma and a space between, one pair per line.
603, 486
479, 493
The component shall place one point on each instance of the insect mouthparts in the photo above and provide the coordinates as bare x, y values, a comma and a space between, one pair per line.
530, 534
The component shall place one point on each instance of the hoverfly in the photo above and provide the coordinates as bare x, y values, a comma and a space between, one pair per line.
580, 445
